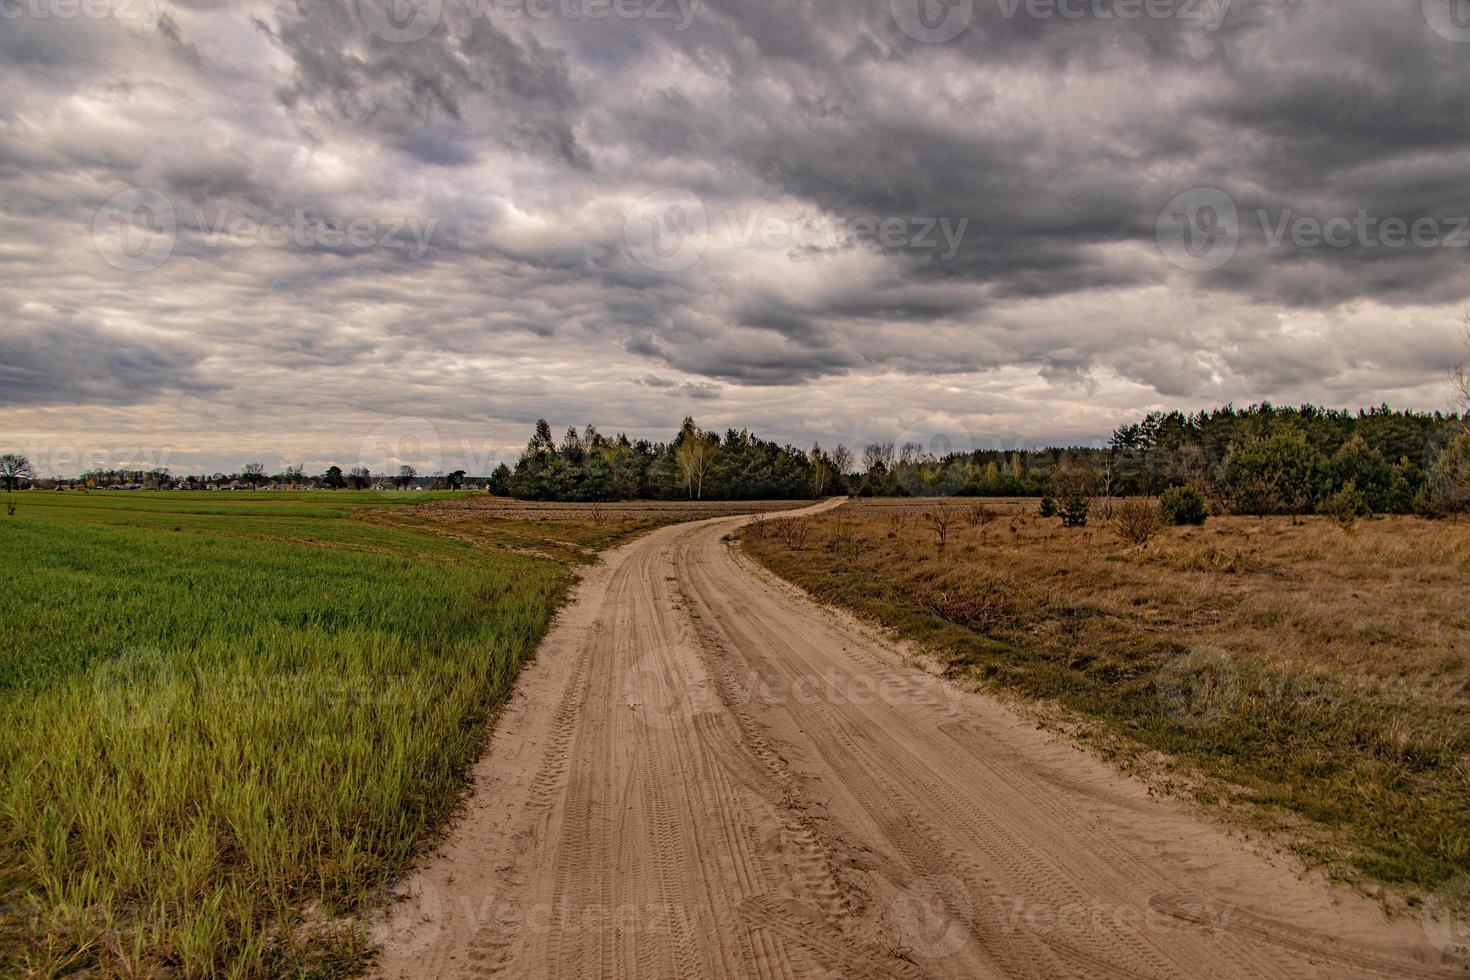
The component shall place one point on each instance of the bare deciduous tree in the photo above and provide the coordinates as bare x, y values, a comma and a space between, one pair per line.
878, 456
821, 470
253, 474
14, 469
1460, 376
841, 458
940, 517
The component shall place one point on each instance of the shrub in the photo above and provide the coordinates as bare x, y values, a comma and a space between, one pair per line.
979, 514
1183, 506
791, 531
1073, 484
1450, 476
1075, 508
1362, 468
940, 518
1281, 474
1137, 521
1048, 506
1346, 506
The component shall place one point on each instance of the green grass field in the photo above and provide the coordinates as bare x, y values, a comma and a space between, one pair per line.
227, 720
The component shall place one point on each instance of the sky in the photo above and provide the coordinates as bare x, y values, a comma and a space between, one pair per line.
383, 231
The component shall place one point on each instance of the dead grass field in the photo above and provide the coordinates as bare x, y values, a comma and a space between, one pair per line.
1310, 679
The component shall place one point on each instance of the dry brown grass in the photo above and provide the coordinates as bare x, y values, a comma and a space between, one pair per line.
1310, 672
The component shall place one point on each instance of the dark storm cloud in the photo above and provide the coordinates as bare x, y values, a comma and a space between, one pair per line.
1047, 146
68, 362
438, 99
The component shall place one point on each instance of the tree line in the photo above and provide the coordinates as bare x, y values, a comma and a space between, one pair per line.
696, 465
1262, 459
16, 471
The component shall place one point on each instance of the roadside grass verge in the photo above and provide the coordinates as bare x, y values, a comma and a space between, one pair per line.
1314, 680
228, 721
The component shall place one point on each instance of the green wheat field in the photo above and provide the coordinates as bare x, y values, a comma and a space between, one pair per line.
229, 719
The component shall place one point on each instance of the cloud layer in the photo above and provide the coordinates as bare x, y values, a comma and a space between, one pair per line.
302, 232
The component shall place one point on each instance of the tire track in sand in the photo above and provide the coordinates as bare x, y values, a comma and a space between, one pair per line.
704, 775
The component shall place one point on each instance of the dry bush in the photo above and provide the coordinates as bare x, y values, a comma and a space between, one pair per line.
790, 531
1137, 522
940, 518
979, 514
983, 605
845, 542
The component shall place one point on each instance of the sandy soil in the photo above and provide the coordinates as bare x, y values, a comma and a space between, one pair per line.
705, 775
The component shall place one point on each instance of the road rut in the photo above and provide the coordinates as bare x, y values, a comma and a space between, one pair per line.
705, 775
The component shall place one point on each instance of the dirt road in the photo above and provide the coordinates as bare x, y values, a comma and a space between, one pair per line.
705, 775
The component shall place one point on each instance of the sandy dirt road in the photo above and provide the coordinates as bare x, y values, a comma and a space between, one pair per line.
705, 775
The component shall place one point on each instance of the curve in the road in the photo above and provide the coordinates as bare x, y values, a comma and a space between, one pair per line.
705, 775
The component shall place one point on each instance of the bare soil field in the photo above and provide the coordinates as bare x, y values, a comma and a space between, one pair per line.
704, 774
1313, 680
566, 532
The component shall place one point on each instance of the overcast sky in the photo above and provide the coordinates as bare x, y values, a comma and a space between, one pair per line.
363, 231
